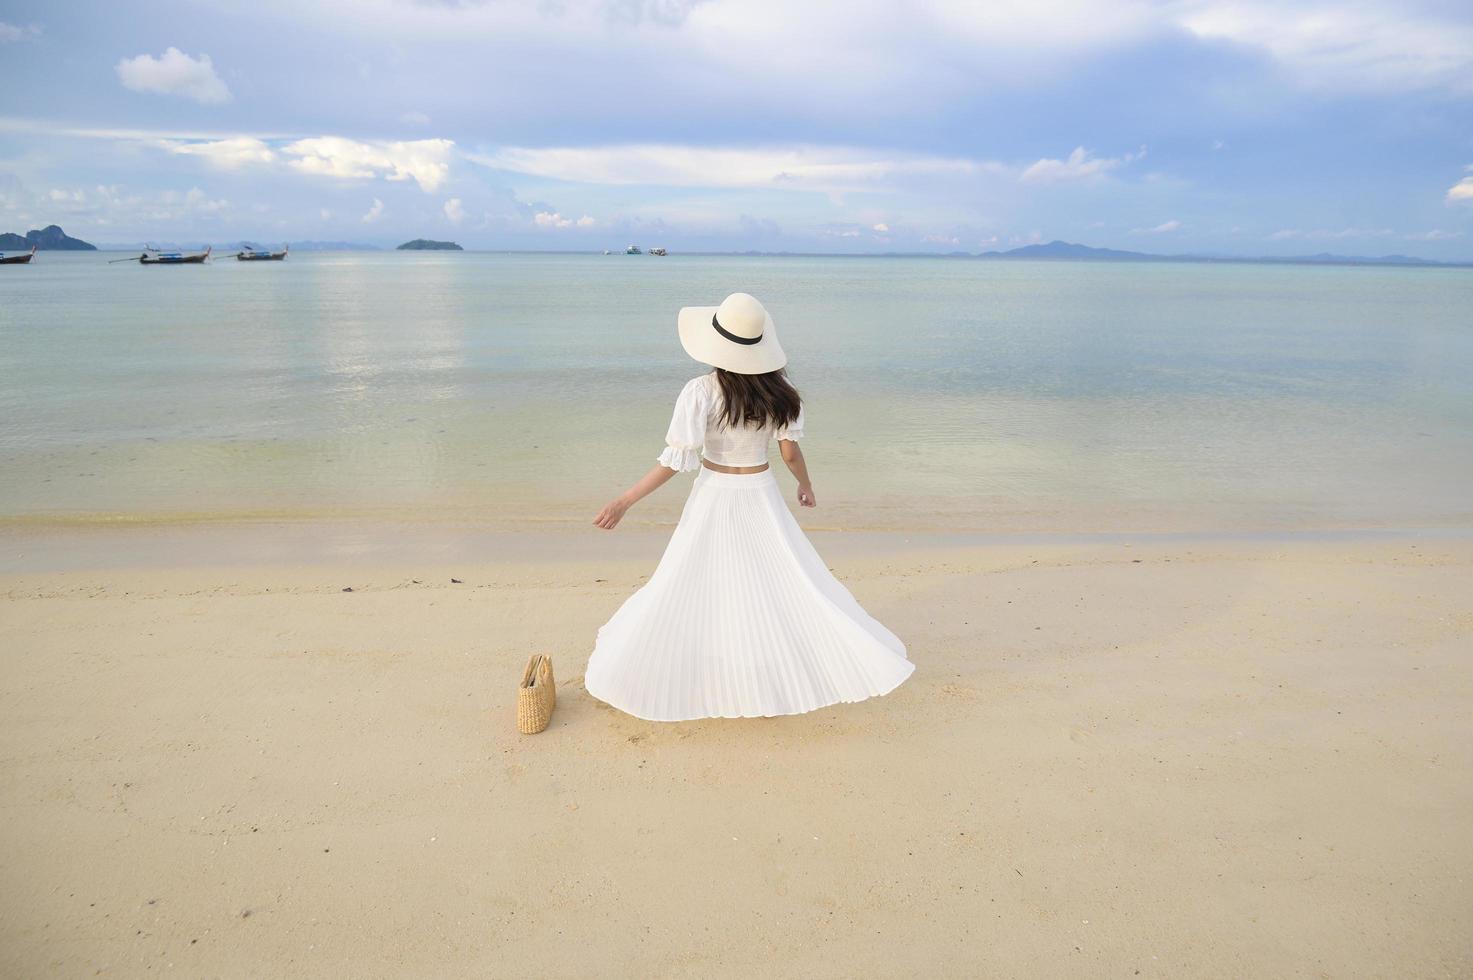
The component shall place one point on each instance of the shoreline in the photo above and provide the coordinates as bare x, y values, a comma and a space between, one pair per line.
48, 547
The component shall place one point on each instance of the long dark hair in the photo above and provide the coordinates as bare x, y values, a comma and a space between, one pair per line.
758, 399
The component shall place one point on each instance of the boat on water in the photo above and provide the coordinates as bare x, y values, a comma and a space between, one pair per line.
20, 258
255, 253
154, 256
658, 251
633, 250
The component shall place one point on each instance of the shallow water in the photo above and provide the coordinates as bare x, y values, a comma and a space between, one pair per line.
485, 387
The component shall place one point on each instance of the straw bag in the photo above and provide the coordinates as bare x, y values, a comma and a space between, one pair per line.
536, 696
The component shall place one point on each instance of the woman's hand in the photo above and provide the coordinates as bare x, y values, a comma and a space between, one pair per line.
793, 456
609, 517
613, 511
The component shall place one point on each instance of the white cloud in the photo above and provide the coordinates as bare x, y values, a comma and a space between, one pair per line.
1435, 235
1163, 228
454, 211
1365, 46
325, 214
885, 55
113, 210
1078, 166
229, 153
196, 200
851, 55
374, 213
426, 162
1326, 234
1462, 190
673, 165
551, 219
881, 228
13, 32
174, 73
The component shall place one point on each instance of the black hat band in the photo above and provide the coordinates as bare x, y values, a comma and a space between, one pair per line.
731, 336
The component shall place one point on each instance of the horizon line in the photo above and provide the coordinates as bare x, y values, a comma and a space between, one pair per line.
1316, 258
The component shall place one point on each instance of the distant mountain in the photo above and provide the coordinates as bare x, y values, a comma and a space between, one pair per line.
1327, 259
333, 247
1070, 250
426, 245
309, 246
48, 239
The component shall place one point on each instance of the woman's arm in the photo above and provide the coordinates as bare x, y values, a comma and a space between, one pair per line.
609, 517
793, 456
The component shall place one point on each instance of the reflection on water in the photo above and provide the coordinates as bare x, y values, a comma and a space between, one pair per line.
941, 392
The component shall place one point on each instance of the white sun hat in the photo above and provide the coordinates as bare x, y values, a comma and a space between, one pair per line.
737, 336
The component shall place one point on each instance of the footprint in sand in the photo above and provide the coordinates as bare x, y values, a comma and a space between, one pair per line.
1081, 736
960, 692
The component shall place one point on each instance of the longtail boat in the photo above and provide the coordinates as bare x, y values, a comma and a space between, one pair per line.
254, 253
154, 256
20, 259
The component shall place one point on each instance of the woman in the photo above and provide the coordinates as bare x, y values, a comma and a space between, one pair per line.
741, 618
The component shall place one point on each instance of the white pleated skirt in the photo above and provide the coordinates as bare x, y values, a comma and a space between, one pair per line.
741, 619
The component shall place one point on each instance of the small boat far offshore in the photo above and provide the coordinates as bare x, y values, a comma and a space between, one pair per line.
20, 259
633, 250
155, 256
254, 253
658, 251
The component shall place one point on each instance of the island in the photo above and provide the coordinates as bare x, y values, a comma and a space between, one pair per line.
48, 239
1086, 253
425, 245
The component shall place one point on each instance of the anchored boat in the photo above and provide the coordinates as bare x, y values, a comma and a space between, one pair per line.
633, 250
658, 251
20, 259
154, 256
254, 253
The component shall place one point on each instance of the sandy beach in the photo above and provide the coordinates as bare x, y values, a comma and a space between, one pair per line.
1154, 757
1127, 353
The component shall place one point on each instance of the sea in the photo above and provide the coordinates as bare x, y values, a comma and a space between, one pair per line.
944, 394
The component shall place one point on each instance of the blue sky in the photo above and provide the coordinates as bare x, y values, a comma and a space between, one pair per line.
1228, 126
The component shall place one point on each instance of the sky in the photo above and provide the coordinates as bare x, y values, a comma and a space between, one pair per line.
1235, 127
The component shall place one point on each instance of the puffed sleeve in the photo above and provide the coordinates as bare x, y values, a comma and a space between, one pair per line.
793, 430
687, 432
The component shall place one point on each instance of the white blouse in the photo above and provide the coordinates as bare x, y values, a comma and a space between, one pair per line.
697, 425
